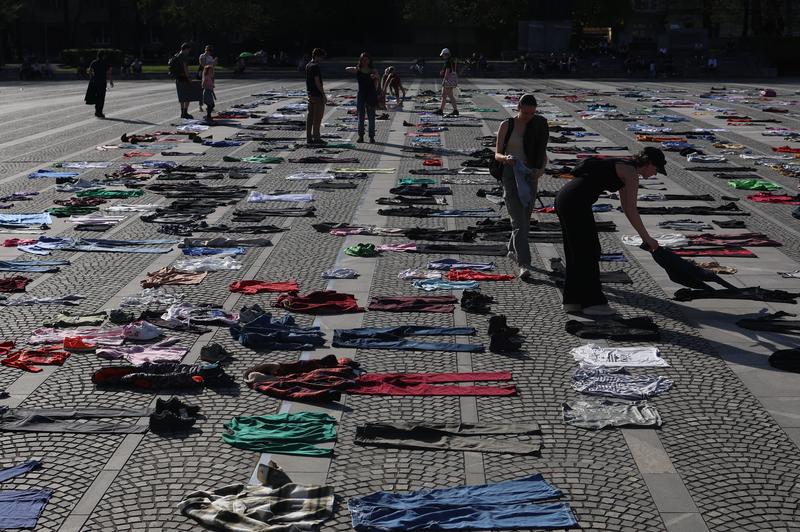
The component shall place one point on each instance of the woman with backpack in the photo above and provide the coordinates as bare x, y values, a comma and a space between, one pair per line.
593, 176
521, 157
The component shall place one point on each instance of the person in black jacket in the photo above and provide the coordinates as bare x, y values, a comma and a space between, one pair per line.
521, 147
99, 77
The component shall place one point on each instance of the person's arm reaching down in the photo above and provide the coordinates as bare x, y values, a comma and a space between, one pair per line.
628, 197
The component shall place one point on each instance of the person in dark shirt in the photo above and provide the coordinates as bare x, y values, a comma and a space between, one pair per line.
582, 289
99, 77
367, 99
316, 98
183, 85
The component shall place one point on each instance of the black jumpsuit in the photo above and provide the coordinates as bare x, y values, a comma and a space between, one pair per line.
581, 243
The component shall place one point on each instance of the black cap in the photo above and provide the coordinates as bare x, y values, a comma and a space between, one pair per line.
656, 157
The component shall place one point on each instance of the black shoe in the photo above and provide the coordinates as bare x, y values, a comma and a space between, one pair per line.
173, 416
372, 140
320, 142
190, 117
360, 138
503, 344
213, 353
475, 302
454, 113
99, 115
438, 112
408, 124
498, 326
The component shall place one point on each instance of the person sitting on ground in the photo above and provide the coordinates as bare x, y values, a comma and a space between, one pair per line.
390, 83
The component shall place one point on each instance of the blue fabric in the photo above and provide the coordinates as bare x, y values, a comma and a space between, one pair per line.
393, 338
17, 470
222, 143
504, 505
200, 251
363, 108
51, 173
675, 145
157, 164
22, 508
454, 264
31, 265
484, 212
521, 173
266, 332
46, 243
35, 218
442, 284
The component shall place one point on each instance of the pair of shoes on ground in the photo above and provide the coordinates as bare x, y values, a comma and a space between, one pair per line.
593, 310
361, 139
502, 336
173, 416
99, 115
474, 301
316, 142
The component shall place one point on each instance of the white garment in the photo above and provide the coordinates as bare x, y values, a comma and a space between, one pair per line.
86, 164
795, 274
698, 158
151, 295
419, 273
340, 273
298, 176
124, 207
95, 218
668, 240
258, 197
210, 263
618, 357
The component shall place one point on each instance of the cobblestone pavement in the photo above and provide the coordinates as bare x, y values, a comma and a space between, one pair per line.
726, 457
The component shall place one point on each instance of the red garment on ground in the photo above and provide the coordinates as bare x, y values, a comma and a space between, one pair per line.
472, 275
432, 162
14, 242
550, 209
305, 380
424, 384
29, 359
741, 242
786, 149
256, 287
15, 283
783, 199
716, 252
137, 154
319, 302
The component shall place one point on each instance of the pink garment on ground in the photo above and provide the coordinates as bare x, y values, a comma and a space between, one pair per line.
256, 287
141, 354
408, 246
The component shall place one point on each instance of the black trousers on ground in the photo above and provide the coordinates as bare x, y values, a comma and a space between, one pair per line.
581, 249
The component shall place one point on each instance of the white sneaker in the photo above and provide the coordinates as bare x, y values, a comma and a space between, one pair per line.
525, 273
572, 307
599, 310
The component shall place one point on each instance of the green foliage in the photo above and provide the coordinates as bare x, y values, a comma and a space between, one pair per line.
9, 12
489, 14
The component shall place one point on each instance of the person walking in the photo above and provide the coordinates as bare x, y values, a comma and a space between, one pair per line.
582, 289
521, 148
316, 98
99, 78
206, 58
449, 82
367, 98
179, 71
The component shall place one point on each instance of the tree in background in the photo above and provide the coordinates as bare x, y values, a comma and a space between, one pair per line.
9, 13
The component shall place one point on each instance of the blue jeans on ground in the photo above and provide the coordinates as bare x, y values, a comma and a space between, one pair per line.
393, 338
362, 108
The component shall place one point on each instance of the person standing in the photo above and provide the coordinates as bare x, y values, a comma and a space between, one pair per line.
179, 70
208, 90
99, 77
449, 82
582, 289
206, 58
522, 147
367, 98
316, 98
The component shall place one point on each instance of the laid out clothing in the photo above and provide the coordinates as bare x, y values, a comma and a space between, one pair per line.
729, 209
432, 384
21, 508
15, 283
66, 319
597, 413
581, 243
755, 293
722, 251
616, 276
74, 420
171, 276
149, 376
319, 302
496, 250
296, 434
472, 275
276, 507
458, 264
258, 287
617, 382
29, 359
618, 357
260, 330
504, 505
163, 351
314, 380
633, 329
450, 436
430, 285
396, 338
439, 304
783, 199
776, 322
